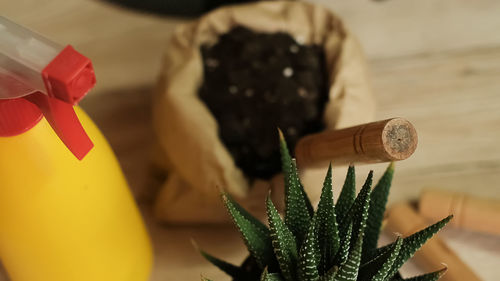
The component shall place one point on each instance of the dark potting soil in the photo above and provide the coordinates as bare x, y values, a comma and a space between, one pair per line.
257, 82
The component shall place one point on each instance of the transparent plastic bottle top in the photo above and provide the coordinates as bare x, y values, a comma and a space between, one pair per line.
23, 56
37, 71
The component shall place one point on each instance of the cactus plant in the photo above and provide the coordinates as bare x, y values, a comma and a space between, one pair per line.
337, 242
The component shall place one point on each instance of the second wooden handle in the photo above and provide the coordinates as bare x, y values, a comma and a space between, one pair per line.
382, 141
402, 218
474, 213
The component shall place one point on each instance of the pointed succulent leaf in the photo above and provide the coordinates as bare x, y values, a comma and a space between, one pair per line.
382, 272
378, 201
257, 240
298, 208
326, 224
309, 255
266, 276
413, 242
347, 195
283, 241
289, 167
361, 207
369, 269
359, 211
433, 276
349, 270
261, 227
230, 269
286, 159
205, 279
345, 245
380, 254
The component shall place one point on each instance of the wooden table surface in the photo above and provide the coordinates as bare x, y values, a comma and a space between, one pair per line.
436, 63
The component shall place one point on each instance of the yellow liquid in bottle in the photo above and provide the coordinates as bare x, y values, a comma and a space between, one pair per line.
62, 219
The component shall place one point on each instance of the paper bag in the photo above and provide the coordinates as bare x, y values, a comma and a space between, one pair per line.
197, 162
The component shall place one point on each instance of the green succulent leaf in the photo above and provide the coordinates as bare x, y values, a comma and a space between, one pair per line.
382, 272
230, 269
298, 208
369, 269
347, 195
345, 245
266, 276
378, 201
433, 276
256, 238
330, 275
283, 241
359, 211
337, 243
349, 270
309, 255
205, 279
326, 224
412, 243
260, 227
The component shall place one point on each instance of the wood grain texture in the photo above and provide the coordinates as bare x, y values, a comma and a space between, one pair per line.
470, 212
435, 254
380, 141
437, 63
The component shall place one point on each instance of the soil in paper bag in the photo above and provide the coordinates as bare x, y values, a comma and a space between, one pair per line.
256, 82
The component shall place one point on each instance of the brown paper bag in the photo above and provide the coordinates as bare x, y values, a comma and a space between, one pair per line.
196, 160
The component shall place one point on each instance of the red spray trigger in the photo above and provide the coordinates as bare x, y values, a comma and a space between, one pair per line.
68, 77
63, 120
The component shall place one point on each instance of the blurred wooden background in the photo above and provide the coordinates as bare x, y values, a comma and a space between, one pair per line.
436, 63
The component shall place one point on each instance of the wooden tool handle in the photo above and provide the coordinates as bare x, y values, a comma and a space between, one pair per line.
470, 212
382, 141
402, 218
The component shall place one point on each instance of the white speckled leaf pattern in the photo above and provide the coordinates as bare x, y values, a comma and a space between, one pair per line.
369, 269
413, 242
433, 276
381, 273
326, 245
283, 241
298, 209
326, 223
347, 195
360, 209
308, 255
257, 241
266, 276
349, 270
378, 202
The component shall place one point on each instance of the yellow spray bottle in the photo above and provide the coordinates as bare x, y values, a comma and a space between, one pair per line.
66, 212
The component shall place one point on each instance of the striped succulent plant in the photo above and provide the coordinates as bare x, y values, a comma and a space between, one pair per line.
337, 242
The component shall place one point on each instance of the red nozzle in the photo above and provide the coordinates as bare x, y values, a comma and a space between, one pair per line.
68, 78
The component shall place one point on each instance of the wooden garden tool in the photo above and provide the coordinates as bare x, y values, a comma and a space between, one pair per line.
434, 254
470, 212
381, 141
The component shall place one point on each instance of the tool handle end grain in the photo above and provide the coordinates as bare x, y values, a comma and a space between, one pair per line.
382, 141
